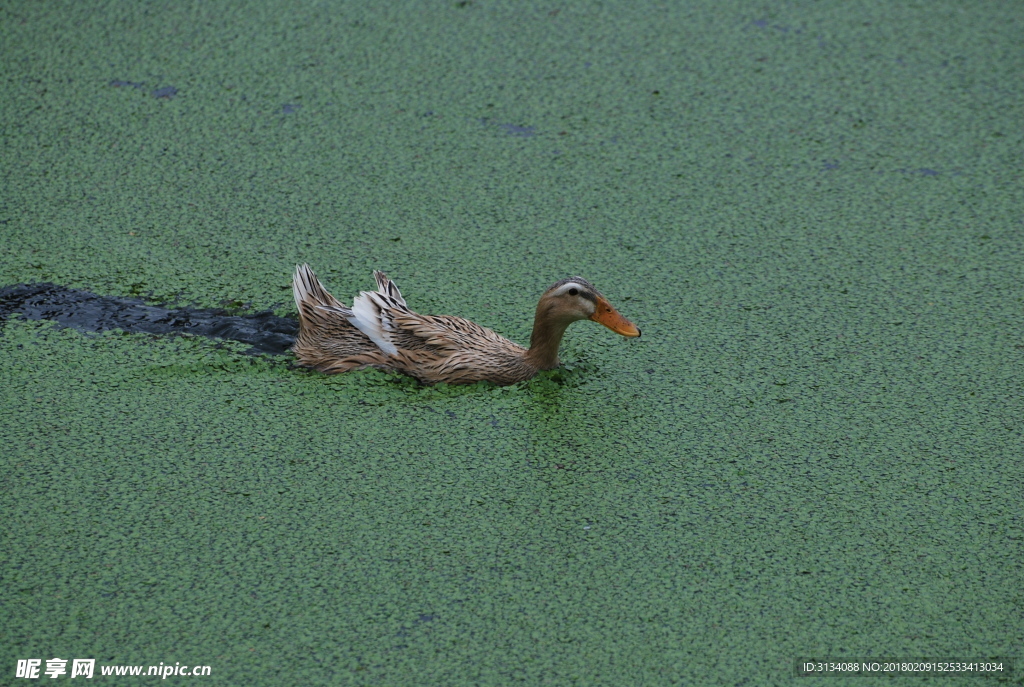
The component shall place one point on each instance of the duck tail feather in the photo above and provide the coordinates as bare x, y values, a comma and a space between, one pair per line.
306, 288
386, 287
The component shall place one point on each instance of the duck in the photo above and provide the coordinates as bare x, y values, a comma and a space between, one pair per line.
380, 331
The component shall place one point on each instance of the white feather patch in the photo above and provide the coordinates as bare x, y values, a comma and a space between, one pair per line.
564, 288
588, 305
366, 317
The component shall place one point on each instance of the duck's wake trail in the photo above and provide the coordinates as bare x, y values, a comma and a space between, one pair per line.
87, 312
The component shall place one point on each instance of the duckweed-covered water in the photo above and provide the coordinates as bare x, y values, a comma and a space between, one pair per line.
812, 211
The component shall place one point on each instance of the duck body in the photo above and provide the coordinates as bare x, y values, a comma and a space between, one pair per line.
379, 330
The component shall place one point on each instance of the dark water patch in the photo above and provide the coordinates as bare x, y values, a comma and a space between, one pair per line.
516, 130
763, 24
87, 312
290, 108
166, 92
511, 129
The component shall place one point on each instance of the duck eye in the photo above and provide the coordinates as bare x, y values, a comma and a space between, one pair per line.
574, 292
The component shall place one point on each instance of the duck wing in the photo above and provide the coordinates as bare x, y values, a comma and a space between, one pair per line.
446, 334
442, 348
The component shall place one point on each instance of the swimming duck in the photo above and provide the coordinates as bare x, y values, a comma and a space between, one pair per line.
380, 330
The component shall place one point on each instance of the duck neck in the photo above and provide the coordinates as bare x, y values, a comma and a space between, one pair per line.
545, 340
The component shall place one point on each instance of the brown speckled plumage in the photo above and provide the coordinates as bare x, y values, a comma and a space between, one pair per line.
379, 330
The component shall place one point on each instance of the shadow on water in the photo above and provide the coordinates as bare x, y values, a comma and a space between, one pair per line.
87, 312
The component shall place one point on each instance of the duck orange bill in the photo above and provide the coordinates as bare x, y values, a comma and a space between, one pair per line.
610, 317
